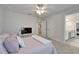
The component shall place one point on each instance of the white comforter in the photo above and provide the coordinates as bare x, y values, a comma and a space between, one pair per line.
37, 45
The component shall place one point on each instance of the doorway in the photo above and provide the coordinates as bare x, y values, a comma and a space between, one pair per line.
72, 29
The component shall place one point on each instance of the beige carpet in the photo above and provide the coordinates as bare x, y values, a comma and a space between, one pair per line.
63, 48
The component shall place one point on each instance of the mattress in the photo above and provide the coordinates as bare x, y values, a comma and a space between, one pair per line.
33, 46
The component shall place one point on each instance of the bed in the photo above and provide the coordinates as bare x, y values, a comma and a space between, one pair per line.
35, 44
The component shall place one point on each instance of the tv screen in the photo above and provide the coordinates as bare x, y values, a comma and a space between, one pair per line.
26, 30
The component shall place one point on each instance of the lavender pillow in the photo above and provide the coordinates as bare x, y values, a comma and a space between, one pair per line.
2, 48
12, 45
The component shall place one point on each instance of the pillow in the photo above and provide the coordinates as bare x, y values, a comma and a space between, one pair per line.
21, 42
2, 48
11, 44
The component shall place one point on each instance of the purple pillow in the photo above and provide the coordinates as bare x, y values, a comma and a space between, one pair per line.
12, 45
2, 48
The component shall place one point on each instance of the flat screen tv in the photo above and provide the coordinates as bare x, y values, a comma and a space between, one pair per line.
26, 30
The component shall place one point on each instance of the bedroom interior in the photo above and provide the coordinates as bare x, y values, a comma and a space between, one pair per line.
39, 28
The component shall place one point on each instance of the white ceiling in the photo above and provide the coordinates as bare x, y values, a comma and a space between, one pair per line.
27, 8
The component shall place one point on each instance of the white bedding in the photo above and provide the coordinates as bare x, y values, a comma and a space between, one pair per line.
32, 46
41, 40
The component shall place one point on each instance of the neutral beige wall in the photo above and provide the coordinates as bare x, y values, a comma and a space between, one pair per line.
56, 27
14, 21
